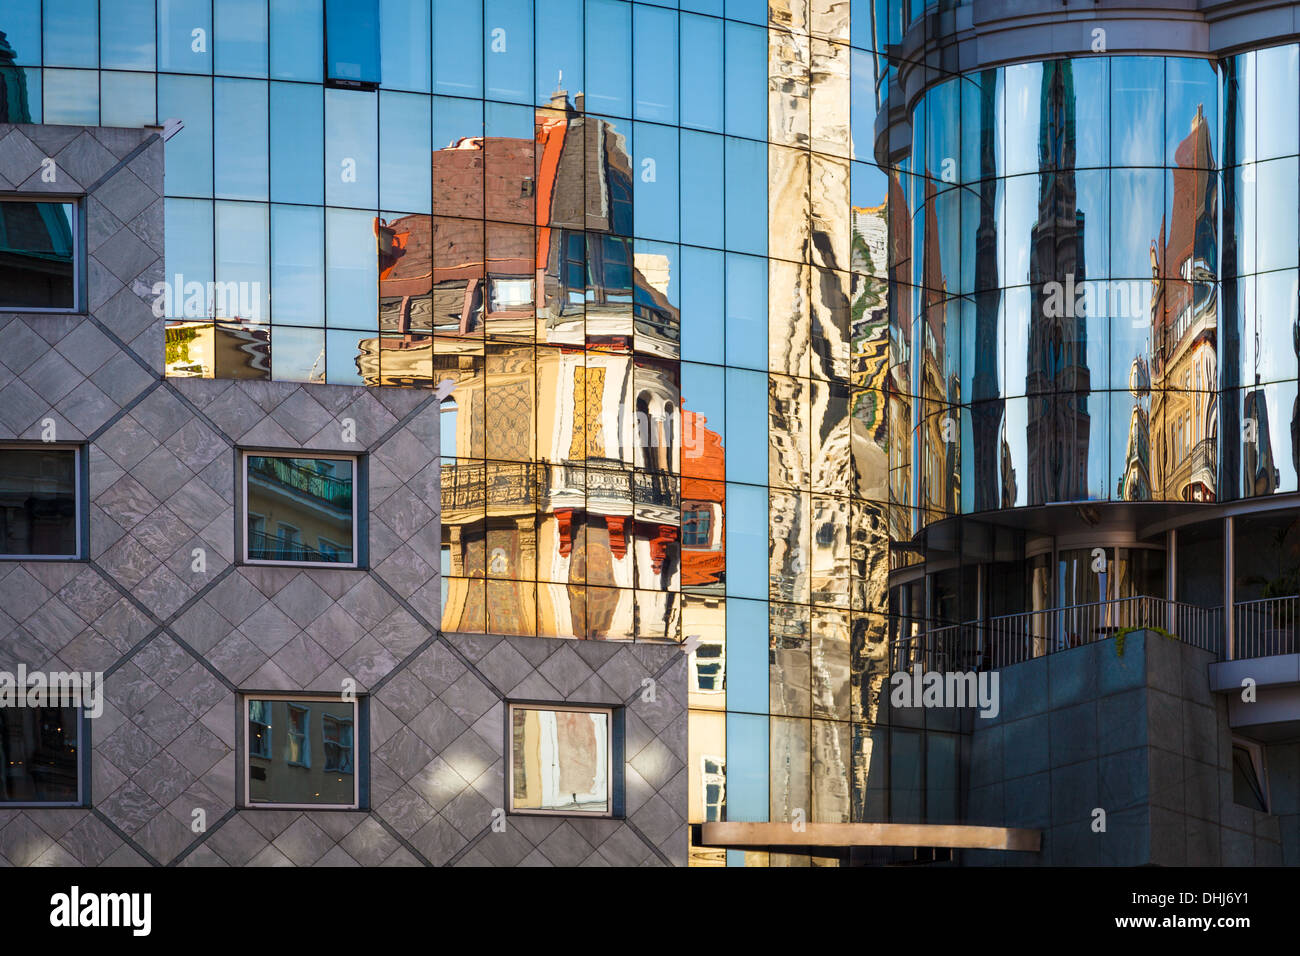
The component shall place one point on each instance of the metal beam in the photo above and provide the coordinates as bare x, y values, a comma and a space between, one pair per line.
761, 836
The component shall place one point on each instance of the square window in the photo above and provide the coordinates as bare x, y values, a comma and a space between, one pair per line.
299, 752
40, 511
561, 760
300, 510
40, 755
39, 256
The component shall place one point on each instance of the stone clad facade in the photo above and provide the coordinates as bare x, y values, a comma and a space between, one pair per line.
179, 639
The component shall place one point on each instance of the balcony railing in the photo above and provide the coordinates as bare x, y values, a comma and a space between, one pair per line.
1267, 627
289, 473
1012, 638
1263, 628
267, 547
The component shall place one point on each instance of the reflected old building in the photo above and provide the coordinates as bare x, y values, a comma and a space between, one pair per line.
750, 329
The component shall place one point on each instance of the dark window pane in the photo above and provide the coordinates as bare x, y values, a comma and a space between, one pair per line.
352, 41
302, 752
38, 755
38, 501
36, 256
300, 509
1247, 789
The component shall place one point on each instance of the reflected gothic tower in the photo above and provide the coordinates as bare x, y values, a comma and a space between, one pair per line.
1057, 378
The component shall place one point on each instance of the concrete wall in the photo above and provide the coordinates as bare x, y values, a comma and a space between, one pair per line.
177, 645
1138, 735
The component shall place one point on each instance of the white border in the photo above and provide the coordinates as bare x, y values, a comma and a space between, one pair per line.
298, 453
78, 507
610, 770
245, 697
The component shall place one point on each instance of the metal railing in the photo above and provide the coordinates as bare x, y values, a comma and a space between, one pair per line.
268, 547
1012, 638
1266, 627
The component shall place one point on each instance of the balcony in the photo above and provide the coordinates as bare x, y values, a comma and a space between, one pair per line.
999, 642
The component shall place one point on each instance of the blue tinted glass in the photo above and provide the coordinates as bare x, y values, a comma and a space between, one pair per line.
1276, 239
558, 52
239, 29
71, 33
297, 32
127, 99
21, 24
703, 305
747, 441
351, 143
654, 32
747, 655
1277, 77
862, 115
746, 81
239, 116
746, 531
1137, 102
1192, 91
404, 44
242, 255
352, 41
751, 11
20, 101
184, 44
701, 187
72, 97
655, 189
702, 72
352, 299
126, 34
298, 264
454, 119
297, 355
609, 58
712, 7
188, 168
704, 393
746, 185
508, 46
189, 245
747, 759
746, 311
297, 143
457, 59
341, 358
404, 172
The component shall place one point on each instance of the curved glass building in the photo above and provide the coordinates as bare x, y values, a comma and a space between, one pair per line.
830, 340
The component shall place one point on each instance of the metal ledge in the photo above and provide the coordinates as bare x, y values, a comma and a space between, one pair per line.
763, 836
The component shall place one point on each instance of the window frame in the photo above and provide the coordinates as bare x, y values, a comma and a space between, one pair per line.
79, 297
79, 495
613, 757
83, 770
244, 512
1256, 753
245, 708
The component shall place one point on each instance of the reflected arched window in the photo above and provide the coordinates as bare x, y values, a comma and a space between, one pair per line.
447, 428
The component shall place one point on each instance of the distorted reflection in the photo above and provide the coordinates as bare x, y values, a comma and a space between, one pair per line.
560, 760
